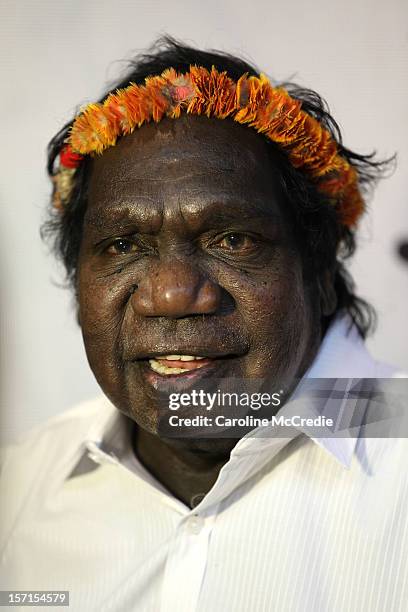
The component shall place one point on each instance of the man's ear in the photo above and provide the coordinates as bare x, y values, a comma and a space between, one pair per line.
328, 297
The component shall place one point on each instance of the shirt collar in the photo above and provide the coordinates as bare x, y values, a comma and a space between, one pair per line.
342, 355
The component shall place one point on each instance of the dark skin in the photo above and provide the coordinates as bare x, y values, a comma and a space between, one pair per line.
187, 249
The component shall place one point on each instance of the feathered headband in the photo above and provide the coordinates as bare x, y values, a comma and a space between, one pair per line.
252, 101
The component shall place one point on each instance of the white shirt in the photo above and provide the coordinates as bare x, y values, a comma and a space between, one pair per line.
301, 524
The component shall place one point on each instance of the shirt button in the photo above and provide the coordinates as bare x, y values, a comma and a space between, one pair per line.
195, 524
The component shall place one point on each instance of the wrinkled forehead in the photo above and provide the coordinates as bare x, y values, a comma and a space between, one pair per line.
184, 156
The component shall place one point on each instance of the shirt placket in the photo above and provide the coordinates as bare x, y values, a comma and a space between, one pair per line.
186, 562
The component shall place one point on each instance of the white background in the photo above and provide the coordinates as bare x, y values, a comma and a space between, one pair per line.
57, 55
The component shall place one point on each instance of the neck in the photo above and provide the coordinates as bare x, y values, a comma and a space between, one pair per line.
187, 468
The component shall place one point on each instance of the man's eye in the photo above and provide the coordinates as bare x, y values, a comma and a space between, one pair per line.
237, 242
122, 246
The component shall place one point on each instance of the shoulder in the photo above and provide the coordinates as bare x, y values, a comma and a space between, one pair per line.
60, 435
41, 458
344, 354
386, 370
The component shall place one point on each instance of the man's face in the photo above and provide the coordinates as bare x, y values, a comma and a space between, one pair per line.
187, 251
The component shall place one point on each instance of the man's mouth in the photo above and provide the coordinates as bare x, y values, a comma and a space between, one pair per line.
171, 365
184, 366
167, 369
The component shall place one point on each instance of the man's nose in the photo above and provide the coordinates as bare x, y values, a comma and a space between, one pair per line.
176, 289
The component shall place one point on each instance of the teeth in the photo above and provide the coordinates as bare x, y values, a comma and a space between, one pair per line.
160, 368
180, 357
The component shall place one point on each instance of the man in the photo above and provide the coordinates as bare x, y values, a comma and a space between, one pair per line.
203, 216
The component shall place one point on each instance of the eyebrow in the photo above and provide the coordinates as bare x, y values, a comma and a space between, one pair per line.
232, 207
122, 213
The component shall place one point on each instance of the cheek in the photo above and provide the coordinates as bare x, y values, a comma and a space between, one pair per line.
276, 297
102, 304
277, 314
